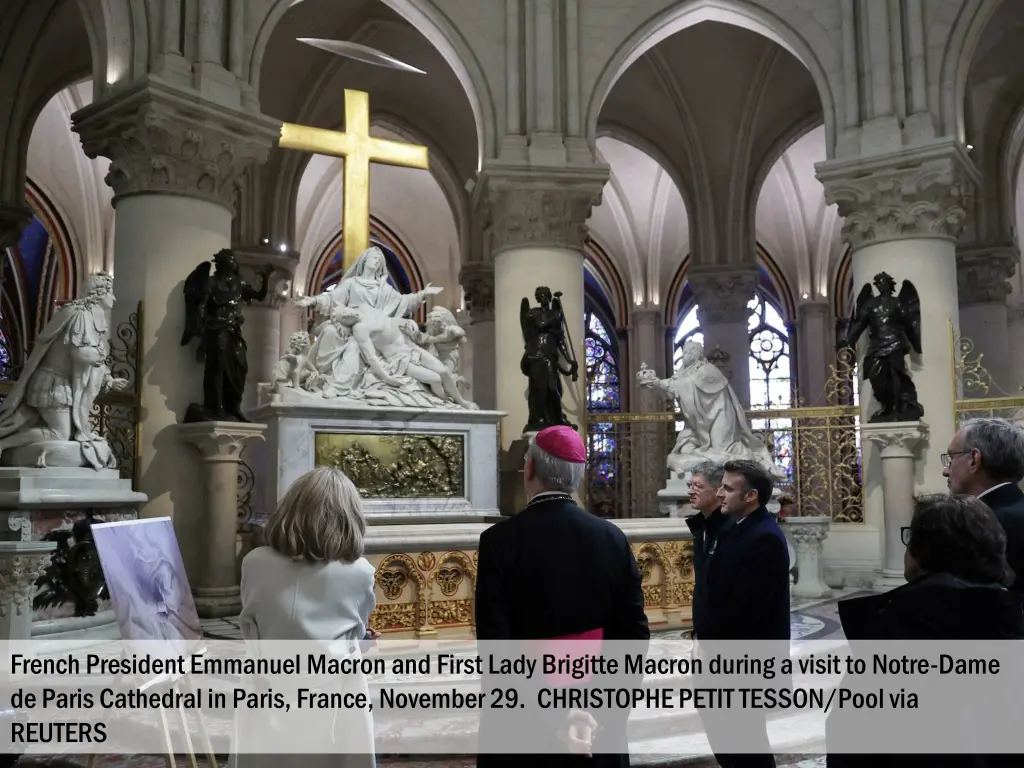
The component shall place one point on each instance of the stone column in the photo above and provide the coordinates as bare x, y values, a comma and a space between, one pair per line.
646, 334
537, 229
649, 441
21, 563
220, 445
809, 534
477, 279
983, 276
722, 297
1015, 322
903, 213
896, 444
816, 339
175, 160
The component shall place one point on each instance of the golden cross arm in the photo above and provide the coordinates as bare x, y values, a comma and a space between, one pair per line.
359, 149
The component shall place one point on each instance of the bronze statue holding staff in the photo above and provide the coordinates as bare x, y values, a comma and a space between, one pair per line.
548, 356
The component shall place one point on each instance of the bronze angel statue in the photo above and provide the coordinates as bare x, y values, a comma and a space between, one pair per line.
547, 345
893, 324
213, 314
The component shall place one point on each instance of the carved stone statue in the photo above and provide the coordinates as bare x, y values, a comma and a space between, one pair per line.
368, 352
295, 367
213, 314
45, 419
547, 346
893, 324
714, 425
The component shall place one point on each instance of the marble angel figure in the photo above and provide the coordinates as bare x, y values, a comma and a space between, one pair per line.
443, 338
715, 427
365, 284
47, 412
295, 368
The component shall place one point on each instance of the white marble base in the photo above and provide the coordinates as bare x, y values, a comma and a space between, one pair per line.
292, 428
809, 534
26, 488
385, 539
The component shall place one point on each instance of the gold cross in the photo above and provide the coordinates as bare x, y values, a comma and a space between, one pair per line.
359, 150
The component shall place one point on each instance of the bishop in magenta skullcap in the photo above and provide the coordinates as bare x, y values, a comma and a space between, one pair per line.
564, 443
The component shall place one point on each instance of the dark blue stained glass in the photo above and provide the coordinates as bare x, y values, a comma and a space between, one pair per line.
602, 367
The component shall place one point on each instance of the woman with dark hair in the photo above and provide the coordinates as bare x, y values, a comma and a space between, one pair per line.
957, 574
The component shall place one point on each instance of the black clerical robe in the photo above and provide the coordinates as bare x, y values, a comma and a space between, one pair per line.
552, 571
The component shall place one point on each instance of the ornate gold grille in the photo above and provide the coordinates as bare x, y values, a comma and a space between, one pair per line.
626, 466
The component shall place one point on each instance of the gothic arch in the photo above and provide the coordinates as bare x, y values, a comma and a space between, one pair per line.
842, 286
599, 264
439, 31
741, 13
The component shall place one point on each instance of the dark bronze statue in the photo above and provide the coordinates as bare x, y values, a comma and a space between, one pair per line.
547, 346
893, 324
213, 314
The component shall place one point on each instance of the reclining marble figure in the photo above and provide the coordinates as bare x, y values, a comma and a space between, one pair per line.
368, 352
714, 425
45, 419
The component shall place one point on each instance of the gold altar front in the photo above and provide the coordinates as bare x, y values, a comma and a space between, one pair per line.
430, 593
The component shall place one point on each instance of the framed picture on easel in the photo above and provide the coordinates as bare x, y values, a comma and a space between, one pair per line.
146, 578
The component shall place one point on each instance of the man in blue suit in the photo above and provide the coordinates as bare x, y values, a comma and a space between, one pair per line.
747, 598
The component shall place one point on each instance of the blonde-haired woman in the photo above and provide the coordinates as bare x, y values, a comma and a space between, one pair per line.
311, 582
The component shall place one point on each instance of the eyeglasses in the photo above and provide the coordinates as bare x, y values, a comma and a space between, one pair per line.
905, 535
947, 458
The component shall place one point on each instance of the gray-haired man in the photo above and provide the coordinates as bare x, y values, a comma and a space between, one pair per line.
986, 459
705, 479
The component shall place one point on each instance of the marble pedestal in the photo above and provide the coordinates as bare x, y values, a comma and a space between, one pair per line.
220, 445
809, 534
21, 563
38, 503
411, 465
898, 444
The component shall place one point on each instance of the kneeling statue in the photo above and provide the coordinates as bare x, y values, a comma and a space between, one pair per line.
45, 419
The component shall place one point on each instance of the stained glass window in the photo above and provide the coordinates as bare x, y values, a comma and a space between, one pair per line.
603, 396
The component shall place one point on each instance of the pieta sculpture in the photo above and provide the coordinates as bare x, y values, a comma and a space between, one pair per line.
367, 349
893, 324
44, 421
715, 427
547, 357
213, 315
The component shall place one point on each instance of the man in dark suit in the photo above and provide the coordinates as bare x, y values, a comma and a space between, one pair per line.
986, 459
556, 572
747, 592
705, 480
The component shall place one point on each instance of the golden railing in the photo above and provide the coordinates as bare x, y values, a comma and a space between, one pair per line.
627, 462
817, 448
819, 451
972, 384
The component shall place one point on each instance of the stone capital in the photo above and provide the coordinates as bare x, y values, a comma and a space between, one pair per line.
161, 140
220, 441
13, 220
897, 440
646, 317
807, 531
923, 192
21, 564
477, 279
524, 207
983, 274
723, 293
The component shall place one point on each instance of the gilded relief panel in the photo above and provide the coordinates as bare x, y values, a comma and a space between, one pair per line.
425, 594
397, 466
